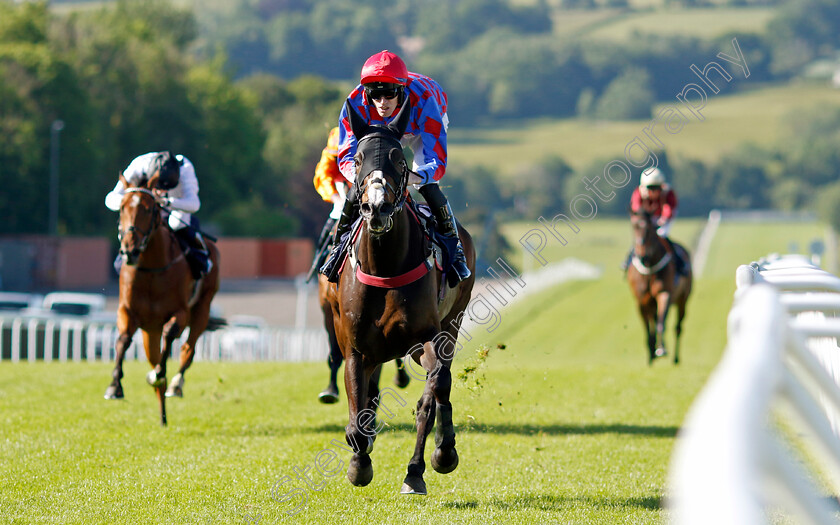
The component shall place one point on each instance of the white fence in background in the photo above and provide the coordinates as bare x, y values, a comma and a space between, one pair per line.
773, 396
63, 339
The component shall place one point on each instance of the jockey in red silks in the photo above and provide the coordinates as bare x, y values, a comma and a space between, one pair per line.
385, 85
655, 196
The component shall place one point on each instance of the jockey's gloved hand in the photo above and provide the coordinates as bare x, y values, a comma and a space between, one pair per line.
414, 177
162, 199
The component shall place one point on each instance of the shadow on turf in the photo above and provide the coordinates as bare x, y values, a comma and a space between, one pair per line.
527, 429
557, 503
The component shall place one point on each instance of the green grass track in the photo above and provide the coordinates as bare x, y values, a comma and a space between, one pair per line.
566, 423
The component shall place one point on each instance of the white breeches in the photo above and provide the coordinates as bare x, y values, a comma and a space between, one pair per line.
338, 205
179, 219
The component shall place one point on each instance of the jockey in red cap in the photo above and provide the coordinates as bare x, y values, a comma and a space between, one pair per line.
384, 86
655, 196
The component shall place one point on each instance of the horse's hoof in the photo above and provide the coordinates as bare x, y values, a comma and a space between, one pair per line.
153, 379
401, 378
444, 461
360, 472
413, 485
174, 392
176, 387
329, 396
113, 392
661, 352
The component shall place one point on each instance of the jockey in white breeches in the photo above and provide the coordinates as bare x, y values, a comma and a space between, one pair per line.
177, 188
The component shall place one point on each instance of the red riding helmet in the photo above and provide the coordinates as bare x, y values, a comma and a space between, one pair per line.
384, 67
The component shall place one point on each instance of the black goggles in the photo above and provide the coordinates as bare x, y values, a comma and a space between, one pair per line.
377, 93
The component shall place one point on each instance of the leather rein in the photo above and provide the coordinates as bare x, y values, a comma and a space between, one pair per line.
147, 234
401, 195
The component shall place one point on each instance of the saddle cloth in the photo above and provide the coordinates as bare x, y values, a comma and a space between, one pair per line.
422, 212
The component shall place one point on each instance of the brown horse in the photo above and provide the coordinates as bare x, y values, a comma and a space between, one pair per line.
387, 305
158, 294
330, 394
655, 284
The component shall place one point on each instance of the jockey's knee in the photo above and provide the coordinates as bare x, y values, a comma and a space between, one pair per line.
433, 194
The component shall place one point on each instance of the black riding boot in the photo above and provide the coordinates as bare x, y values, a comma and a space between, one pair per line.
446, 225
678, 260
324, 239
195, 251
627, 261
348, 215
326, 232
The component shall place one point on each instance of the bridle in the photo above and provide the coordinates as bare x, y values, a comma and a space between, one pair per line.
377, 177
147, 234
642, 264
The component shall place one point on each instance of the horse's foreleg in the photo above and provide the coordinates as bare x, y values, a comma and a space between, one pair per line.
115, 390
171, 330
433, 405
678, 332
330, 394
358, 433
372, 402
444, 457
663, 303
401, 377
198, 324
424, 421
151, 340
648, 321
176, 386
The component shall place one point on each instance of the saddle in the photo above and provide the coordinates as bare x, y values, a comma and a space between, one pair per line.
444, 249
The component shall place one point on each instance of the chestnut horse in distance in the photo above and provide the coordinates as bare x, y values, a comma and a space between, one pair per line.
158, 293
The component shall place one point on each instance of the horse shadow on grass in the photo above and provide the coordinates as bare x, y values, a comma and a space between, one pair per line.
528, 429
551, 503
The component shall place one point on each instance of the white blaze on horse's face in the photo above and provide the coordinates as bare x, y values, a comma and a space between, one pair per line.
373, 209
376, 189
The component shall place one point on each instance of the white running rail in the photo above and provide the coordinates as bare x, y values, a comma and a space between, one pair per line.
733, 464
62, 339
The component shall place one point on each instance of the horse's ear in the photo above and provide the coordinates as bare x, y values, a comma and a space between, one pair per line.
358, 126
400, 123
122, 179
397, 159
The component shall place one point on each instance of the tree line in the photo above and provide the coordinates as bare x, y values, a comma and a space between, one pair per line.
124, 81
248, 90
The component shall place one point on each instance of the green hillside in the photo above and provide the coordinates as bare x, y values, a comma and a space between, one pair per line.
698, 22
756, 116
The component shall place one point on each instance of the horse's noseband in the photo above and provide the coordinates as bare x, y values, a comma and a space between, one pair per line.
377, 180
147, 234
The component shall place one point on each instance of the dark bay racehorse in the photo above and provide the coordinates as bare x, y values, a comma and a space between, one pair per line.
401, 313
655, 284
158, 294
330, 394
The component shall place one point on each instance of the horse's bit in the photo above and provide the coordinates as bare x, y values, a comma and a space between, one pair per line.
147, 234
400, 192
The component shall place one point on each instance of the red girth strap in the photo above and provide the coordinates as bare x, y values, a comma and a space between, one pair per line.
393, 282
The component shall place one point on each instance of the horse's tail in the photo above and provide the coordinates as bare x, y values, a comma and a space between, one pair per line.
215, 323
